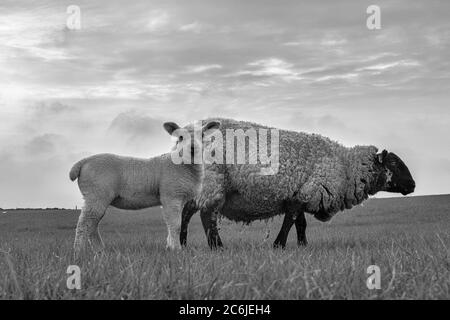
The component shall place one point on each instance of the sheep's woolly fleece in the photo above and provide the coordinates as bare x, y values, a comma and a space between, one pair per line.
316, 173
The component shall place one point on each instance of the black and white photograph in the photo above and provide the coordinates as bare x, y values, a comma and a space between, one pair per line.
224, 156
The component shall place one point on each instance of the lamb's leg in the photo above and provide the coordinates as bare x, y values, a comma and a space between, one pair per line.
209, 222
172, 216
188, 211
280, 241
87, 232
300, 225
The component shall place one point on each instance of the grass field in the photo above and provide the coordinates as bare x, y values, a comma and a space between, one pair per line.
408, 238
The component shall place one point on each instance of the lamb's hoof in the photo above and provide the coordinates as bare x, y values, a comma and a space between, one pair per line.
84, 250
302, 243
85, 253
173, 247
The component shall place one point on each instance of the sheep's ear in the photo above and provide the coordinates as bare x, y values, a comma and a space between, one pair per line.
212, 125
170, 127
381, 156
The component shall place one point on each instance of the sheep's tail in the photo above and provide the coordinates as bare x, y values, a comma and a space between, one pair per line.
75, 171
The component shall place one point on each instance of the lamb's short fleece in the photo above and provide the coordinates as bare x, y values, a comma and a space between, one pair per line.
131, 183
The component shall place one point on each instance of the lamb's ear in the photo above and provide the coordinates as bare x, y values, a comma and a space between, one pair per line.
212, 125
170, 127
381, 156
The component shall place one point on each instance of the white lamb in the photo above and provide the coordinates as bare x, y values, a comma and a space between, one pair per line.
131, 183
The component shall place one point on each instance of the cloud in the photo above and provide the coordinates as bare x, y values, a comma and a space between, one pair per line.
270, 67
45, 144
138, 134
55, 108
203, 68
135, 126
195, 27
389, 65
109, 86
158, 21
44, 117
25, 33
345, 76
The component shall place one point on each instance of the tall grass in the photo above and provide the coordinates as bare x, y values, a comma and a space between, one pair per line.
407, 238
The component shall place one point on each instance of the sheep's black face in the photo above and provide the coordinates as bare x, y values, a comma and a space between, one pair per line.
398, 177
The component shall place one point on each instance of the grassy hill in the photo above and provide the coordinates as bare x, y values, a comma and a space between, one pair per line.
408, 238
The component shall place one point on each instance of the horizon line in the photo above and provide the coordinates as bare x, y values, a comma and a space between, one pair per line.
76, 207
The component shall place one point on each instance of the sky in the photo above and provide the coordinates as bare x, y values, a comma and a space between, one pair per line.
309, 66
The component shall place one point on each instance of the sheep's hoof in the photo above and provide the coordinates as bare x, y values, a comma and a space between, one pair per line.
183, 239
215, 244
302, 243
278, 245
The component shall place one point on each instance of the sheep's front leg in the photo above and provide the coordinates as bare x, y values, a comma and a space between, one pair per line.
211, 203
209, 222
188, 211
172, 216
280, 241
87, 228
300, 225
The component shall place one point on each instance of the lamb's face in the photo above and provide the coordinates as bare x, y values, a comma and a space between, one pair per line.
187, 139
398, 177
183, 139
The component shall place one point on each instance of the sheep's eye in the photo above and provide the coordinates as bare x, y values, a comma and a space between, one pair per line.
180, 139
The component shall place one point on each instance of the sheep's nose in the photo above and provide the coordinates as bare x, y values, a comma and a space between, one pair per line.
410, 188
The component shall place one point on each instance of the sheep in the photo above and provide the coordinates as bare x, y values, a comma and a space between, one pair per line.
315, 175
132, 183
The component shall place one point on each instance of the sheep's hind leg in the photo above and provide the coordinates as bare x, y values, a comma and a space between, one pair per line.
172, 216
280, 241
209, 222
188, 211
87, 232
300, 225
